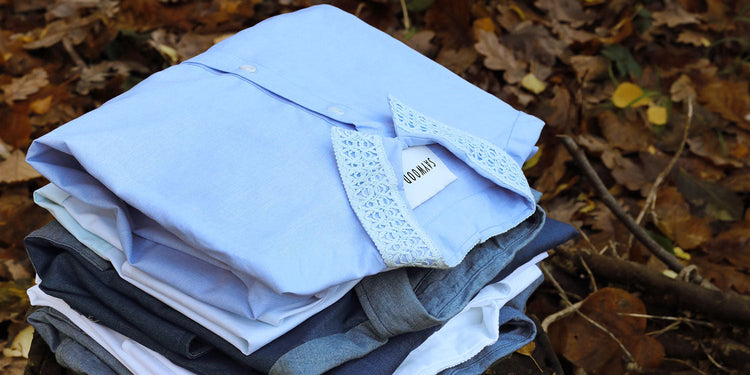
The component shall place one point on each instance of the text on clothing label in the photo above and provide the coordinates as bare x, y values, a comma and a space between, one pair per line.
424, 176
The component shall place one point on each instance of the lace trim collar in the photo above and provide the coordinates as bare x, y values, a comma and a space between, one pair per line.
372, 188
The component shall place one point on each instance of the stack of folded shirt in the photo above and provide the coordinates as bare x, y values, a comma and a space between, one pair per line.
307, 196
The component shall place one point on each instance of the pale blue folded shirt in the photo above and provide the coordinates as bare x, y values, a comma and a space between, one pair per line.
274, 159
255, 184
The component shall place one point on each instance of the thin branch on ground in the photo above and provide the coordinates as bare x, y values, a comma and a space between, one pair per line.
407, 22
710, 358
591, 275
676, 318
670, 260
561, 291
727, 306
686, 363
664, 330
559, 315
651, 197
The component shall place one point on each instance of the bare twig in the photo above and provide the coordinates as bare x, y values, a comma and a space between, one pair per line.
664, 330
591, 275
561, 291
407, 23
68, 45
559, 315
617, 210
710, 358
686, 364
651, 197
727, 306
676, 318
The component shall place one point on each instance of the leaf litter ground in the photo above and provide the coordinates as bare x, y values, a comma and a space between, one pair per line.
619, 76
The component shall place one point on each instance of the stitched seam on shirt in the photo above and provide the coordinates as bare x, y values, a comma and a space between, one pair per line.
270, 93
512, 130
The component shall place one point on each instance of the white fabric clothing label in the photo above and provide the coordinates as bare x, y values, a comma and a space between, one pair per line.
424, 174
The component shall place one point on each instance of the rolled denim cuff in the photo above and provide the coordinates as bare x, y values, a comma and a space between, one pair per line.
391, 304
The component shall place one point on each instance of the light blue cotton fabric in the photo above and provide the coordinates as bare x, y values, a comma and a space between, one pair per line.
276, 155
246, 334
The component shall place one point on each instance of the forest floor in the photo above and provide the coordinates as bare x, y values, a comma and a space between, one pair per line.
654, 91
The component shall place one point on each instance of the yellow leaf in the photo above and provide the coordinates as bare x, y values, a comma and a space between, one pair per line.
528, 349
485, 24
670, 274
533, 160
626, 93
533, 84
657, 115
41, 106
21, 344
678, 252
169, 52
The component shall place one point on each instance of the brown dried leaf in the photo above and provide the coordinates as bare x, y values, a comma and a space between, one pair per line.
559, 111
682, 89
624, 171
548, 182
676, 221
569, 11
21, 88
723, 276
15, 126
534, 43
568, 35
13, 365
15, 169
732, 247
75, 28
96, 76
589, 68
707, 145
626, 135
713, 200
521, 97
18, 213
451, 20
499, 57
587, 346
16, 269
13, 298
457, 60
673, 15
738, 182
693, 38
421, 42
730, 99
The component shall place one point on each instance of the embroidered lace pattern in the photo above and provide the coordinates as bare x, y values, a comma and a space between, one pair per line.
488, 159
371, 186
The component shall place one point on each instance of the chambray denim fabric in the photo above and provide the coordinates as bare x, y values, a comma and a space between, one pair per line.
73, 348
246, 334
89, 285
493, 321
516, 331
388, 357
303, 135
137, 358
403, 301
